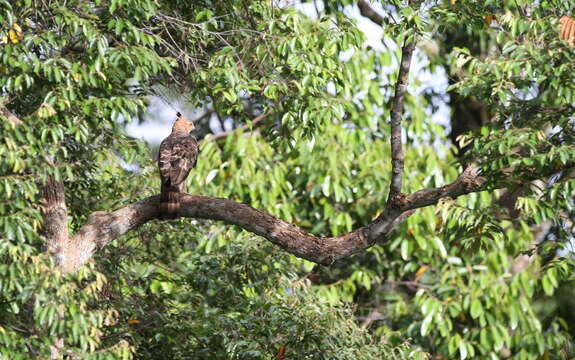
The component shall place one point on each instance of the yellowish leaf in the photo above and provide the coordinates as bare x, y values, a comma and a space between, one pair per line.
46, 110
420, 272
101, 75
13, 36
133, 321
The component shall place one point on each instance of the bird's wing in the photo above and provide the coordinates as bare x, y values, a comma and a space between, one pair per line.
177, 156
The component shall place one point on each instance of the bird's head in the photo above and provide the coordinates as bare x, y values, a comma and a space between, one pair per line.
182, 124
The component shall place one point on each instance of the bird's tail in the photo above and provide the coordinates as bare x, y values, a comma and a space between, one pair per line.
169, 202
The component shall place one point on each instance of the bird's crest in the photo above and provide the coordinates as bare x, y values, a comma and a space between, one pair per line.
182, 124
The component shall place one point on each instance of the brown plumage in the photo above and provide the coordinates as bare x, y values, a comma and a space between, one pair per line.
177, 156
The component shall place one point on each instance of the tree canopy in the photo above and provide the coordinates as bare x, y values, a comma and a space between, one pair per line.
336, 219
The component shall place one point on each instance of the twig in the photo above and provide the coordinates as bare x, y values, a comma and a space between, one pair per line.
374, 315
520, 9
409, 284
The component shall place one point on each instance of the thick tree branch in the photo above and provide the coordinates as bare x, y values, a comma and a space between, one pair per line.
103, 227
396, 114
55, 215
8, 115
368, 12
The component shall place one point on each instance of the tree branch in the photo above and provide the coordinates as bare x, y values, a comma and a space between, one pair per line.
396, 114
55, 214
103, 227
366, 11
469, 181
8, 115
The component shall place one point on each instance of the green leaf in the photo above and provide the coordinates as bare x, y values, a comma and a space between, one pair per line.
476, 309
425, 325
462, 350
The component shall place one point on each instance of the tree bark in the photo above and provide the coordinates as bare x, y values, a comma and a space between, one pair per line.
55, 216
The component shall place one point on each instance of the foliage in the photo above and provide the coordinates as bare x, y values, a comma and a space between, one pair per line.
444, 285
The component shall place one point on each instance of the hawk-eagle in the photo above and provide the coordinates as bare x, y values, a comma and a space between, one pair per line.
177, 156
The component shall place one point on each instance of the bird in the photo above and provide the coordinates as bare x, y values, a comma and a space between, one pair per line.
178, 154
